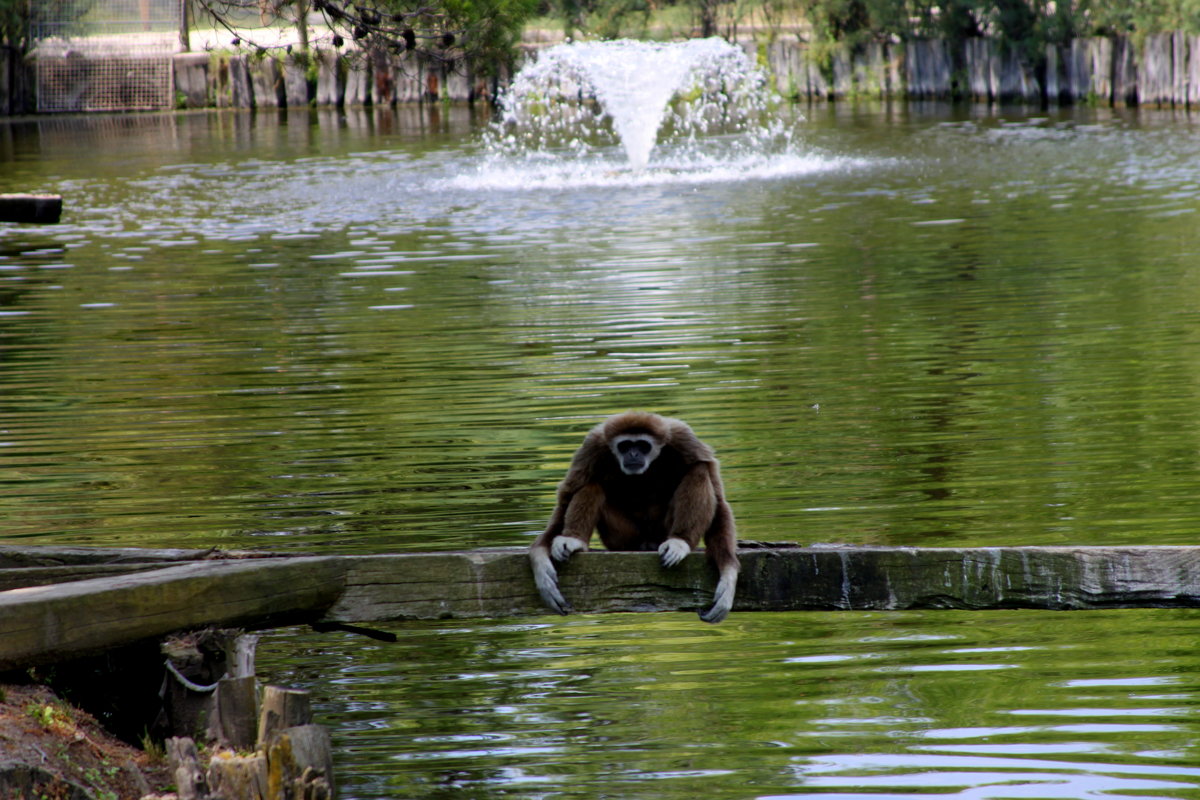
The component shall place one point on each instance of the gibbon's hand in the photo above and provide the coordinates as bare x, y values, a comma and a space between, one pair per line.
673, 551
563, 547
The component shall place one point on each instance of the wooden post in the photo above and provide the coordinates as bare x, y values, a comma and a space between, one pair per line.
194, 664
185, 36
237, 777
299, 754
300, 764
190, 783
282, 708
41, 209
235, 705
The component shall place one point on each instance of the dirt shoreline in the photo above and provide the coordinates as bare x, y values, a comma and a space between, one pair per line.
49, 748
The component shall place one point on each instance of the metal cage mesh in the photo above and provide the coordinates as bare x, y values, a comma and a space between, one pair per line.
104, 55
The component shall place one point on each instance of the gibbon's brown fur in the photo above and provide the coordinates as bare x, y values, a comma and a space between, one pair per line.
643, 482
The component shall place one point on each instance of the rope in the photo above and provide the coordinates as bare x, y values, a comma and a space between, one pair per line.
195, 687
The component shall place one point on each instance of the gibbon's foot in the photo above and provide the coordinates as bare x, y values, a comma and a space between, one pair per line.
722, 598
563, 547
546, 580
673, 551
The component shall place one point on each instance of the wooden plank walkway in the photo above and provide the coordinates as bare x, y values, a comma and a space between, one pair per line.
58, 603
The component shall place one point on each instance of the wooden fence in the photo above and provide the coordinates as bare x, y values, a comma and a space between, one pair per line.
1163, 71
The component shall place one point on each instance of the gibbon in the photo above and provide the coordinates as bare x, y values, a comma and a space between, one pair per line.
643, 482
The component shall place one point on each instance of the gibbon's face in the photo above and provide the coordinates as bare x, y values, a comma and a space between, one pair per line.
635, 452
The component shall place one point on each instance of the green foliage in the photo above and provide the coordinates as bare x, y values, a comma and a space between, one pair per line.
1026, 25
487, 29
155, 750
48, 715
481, 31
1142, 16
14, 22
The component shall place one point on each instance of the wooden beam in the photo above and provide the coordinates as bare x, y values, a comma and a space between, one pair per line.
777, 578
16, 556
42, 566
43, 624
39, 624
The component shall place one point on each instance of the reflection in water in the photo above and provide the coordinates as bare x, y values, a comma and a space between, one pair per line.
916, 342
972, 704
324, 333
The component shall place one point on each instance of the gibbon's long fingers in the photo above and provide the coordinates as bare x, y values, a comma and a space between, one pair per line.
563, 547
673, 551
722, 597
546, 580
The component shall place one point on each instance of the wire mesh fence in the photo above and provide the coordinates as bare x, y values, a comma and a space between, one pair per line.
104, 55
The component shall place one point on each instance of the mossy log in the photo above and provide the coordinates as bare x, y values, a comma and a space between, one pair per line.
39, 624
43, 624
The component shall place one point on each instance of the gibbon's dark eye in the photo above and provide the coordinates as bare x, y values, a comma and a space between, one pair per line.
642, 445
623, 447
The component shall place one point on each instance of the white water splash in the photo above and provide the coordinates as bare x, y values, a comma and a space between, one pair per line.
576, 98
533, 174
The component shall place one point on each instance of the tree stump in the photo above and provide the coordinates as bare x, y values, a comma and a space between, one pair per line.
282, 708
190, 781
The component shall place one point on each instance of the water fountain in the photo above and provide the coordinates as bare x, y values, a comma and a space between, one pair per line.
609, 104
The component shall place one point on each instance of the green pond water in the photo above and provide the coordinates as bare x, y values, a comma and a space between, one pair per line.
360, 332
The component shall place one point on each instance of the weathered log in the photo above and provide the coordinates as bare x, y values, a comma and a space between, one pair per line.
47, 623
46, 576
42, 209
41, 566
778, 578
15, 556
